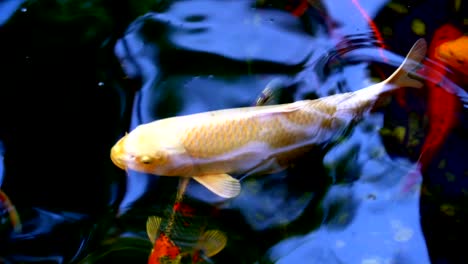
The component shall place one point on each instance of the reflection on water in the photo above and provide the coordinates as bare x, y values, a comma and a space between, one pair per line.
105, 69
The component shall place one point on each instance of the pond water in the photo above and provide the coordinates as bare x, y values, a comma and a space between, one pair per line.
78, 75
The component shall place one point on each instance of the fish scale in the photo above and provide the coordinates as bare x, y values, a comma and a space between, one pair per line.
206, 141
217, 138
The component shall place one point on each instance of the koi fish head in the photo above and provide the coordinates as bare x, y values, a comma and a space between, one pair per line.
144, 151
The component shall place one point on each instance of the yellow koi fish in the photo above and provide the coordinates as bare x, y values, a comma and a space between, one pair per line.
455, 53
211, 146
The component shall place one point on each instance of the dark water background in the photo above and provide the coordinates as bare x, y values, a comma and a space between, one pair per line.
77, 75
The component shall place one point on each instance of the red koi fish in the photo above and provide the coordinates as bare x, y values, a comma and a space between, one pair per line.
182, 225
443, 102
12, 213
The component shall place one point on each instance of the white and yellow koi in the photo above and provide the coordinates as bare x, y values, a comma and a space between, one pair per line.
210, 146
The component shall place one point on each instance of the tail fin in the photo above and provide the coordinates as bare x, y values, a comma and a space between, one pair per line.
401, 77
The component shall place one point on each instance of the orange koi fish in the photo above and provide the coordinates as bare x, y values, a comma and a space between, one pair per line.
195, 242
443, 104
12, 213
454, 53
208, 147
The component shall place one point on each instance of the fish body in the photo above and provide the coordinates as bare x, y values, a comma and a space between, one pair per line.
182, 235
164, 251
454, 52
443, 103
211, 146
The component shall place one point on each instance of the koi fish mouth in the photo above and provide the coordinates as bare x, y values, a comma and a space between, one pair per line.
117, 154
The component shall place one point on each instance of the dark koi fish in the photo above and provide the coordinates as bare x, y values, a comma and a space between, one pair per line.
182, 235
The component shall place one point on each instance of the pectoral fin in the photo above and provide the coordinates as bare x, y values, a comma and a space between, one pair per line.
212, 242
221, 184
152, 227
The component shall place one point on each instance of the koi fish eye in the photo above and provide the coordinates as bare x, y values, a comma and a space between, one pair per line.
146, 160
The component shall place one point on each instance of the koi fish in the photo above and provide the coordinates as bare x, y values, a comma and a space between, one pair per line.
443, 102
454, 53
209, 147
10, 209
195, 242
443, 105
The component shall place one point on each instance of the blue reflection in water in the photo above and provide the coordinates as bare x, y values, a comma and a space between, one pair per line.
384, 225
8, 8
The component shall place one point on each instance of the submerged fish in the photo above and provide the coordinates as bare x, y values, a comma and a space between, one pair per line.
211, 146
10, 210
443, 103
182, 235
455, 53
